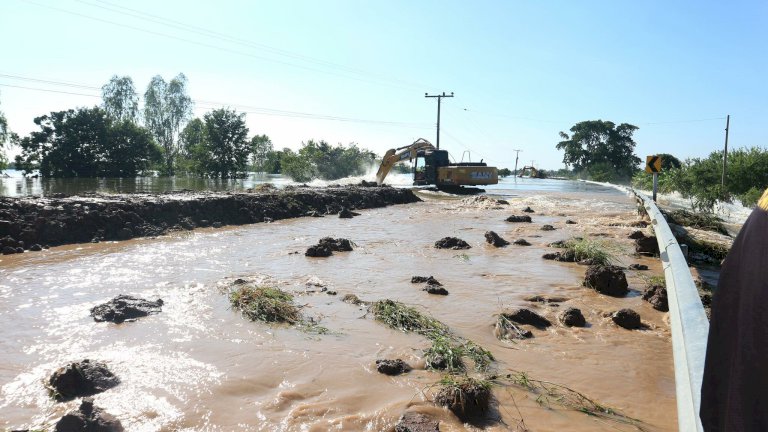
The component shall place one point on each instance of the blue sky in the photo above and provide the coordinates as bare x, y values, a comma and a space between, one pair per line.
521, 71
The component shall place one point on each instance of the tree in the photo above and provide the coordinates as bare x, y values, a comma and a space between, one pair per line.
5, 133
120, 100
318, 159
225, 147
86, 143
600, 148
505, 172
261, 146
166, 108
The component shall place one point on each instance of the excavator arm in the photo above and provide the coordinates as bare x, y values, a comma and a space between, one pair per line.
393, 156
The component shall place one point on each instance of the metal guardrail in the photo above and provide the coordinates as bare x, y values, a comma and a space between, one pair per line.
689, 323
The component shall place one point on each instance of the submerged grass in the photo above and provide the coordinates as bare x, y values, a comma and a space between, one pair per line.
405, 318
581, 249
446, 352
267, 304
451, 348
548, 393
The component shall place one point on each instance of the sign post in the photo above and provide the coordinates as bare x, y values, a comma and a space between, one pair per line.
653, 166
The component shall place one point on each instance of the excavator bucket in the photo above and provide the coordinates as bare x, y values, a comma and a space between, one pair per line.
386, 164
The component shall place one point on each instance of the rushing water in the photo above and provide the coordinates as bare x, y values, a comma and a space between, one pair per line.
199, 366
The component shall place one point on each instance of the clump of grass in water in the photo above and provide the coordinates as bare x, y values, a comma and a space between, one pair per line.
446, 352
272, 305
405, 318
548, 393
581, 249
265, 304
451, 347
657, 280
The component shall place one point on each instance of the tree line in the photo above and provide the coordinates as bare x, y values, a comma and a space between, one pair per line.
603, 151
123, 138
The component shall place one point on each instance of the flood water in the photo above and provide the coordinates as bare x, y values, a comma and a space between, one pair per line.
199, 366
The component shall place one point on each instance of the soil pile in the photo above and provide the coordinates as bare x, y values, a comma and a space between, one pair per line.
25, 222
88, 418
84, 378
452, 243
607, 279
125, 307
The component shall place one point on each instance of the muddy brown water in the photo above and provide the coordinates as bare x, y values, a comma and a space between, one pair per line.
199, 366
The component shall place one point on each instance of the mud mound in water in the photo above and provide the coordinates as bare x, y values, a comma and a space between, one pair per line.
416, 422
346, 213
125, 307
527, 316
96, 217
495, 239
505, 329
84, 378
656, 295
452, 243
468, 398
327, 245
425, 279
88, 418
523, 218
392, 367
607, 279
627, 318
572, 317
647, 246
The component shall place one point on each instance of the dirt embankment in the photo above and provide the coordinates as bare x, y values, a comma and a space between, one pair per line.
29, 223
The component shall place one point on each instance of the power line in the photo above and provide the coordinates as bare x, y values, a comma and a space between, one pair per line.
253, 110
217, 47
237, 40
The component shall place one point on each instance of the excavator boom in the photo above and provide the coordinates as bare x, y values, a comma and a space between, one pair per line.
436, 168
393, 156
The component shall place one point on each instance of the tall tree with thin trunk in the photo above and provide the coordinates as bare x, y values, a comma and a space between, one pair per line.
167, 107
120, 100
5, 133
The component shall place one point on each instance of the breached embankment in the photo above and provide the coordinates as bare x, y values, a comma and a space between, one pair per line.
32, 223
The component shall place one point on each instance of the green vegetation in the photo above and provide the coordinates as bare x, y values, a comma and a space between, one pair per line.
600, 150
505, 172
448, 351
407, 319
120, 100
585, 249
699, 179
4, 135
450, 348
549, 393
265, 304
87, 143
705, 222
218, 145
323, 161
119, 139
167, 107
656, 280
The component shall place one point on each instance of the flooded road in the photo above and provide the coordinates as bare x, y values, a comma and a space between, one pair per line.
199, 366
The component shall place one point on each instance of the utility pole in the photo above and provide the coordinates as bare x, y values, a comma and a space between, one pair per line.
725, 153
439, 98
517, 156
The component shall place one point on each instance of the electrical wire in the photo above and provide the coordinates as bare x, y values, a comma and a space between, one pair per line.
247, 109
216, 47
112, 7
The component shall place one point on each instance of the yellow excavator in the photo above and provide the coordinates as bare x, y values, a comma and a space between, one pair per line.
432, 167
